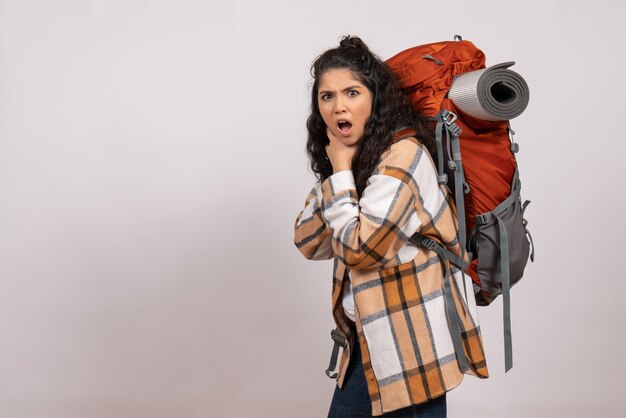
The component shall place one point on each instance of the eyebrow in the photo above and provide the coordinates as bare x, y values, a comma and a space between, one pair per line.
355, 87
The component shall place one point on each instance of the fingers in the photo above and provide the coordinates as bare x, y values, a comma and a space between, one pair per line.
332, 141
330, 135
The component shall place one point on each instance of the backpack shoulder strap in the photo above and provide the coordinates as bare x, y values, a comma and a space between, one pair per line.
403, 132
451, 312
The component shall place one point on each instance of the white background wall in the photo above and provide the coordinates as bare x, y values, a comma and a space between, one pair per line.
152, 164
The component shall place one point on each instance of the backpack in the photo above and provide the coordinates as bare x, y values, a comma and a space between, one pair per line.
475, 159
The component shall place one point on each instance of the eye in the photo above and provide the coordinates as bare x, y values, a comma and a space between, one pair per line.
325, 96
353, 92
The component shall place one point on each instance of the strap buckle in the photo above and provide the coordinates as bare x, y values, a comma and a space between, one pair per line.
419, 239
454, 128
338, 338
448, 117
483, 218
340, 341
428, 243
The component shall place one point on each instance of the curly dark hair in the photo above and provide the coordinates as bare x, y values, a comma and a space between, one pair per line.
391, 110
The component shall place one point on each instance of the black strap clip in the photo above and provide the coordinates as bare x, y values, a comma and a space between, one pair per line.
338, 338
483, 218
426, 242
340, 341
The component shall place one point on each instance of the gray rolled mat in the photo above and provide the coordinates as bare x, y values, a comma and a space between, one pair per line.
494, 93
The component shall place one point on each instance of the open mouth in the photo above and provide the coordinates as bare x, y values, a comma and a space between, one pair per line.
344, 126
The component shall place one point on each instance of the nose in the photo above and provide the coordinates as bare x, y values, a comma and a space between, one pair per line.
340, 104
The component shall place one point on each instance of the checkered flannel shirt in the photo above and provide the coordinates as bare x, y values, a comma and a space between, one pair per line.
400, 312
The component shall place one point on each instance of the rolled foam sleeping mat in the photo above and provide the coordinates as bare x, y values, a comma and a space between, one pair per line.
494, 93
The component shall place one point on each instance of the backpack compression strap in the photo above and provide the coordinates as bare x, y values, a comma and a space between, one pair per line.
504, 265
530, 237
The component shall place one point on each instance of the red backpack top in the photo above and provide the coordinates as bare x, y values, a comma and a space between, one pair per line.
488, 162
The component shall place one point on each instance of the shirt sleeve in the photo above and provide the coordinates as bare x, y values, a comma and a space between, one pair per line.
311, 234
370, 231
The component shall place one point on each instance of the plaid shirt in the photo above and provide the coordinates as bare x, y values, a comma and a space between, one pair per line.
400, 312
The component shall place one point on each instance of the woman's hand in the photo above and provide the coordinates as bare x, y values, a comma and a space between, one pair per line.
339, 154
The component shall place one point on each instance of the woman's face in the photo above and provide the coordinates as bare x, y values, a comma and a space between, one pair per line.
345, 104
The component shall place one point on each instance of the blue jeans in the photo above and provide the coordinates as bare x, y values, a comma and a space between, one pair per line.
353, 401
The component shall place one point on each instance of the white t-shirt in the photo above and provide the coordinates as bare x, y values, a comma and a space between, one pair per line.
348, 298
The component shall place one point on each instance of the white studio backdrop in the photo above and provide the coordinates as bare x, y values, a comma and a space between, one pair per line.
152, 164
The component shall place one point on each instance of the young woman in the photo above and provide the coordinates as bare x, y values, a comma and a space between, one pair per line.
377, 186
